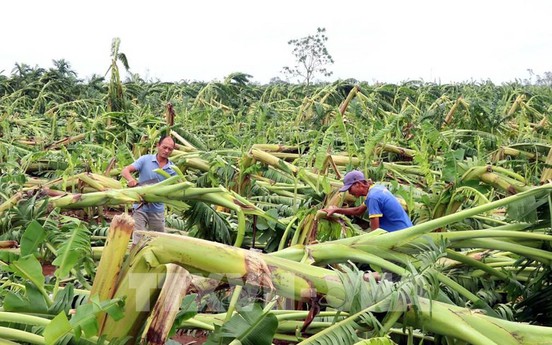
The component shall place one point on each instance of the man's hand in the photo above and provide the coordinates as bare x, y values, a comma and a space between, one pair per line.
330, 210
126, 173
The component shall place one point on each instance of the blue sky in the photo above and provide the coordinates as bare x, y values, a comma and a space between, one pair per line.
383, 41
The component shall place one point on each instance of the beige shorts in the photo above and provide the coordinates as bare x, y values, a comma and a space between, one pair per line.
151, 221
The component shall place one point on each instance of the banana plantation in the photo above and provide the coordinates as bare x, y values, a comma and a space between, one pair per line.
249, 256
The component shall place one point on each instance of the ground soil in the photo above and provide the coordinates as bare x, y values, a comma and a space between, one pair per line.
48, 270
195, 338
198, 338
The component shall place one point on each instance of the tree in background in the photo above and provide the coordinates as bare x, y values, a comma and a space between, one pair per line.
536, 79
115, 97
312, 57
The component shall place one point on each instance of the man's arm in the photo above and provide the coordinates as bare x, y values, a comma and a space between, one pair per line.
374, 223
127, 174
348, 211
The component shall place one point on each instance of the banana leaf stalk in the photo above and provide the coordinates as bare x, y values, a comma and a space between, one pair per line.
546, 176
474, 327
498, 177
21, 318
512, 152
344, 160
352, 248
396, 149
400, 238
331, 252
117, 196
21, 336
448, 118
168, 191
382, 249
146, 270
343, 106
9, 244
99, 182
105, 281
276, 148
484, 267
7, 334
503, 182
85, 182
491, 232
238, 266
325, 253
540, 255
511, 241
45, 166
288, 157
183, 141
65, 141
276, 187
315, 181
13, 200
197, 163
207, 321
166, 307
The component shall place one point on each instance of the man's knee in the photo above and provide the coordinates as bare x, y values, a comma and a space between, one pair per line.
157, 222
140, 220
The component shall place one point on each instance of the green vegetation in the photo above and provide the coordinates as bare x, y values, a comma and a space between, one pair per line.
249, 256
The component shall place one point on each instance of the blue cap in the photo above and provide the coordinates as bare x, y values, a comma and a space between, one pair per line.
350, 178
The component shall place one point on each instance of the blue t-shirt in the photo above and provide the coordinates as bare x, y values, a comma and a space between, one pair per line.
145, 166
382, 204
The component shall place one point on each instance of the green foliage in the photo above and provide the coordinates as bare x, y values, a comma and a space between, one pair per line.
429, 143
32, 238
30, 269
192, 138
31, 301
34, 297
115, 119
535, 305
451, 171
84, 322
376, 305
528, 210
379, 136
376, 341
75, 246
116, 100
330, 231
207, 224
188, 309
18, 218
250, 325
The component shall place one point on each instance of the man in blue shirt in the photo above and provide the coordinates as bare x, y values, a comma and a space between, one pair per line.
384, 210
150, 216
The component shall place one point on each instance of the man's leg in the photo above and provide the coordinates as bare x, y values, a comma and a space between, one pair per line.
140, 220
140, 223
156, 221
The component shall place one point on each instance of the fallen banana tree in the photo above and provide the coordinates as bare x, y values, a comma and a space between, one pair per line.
392, 252
169, 191
140, 283
290, 274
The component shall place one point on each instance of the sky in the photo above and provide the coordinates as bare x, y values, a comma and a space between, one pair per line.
388, 41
